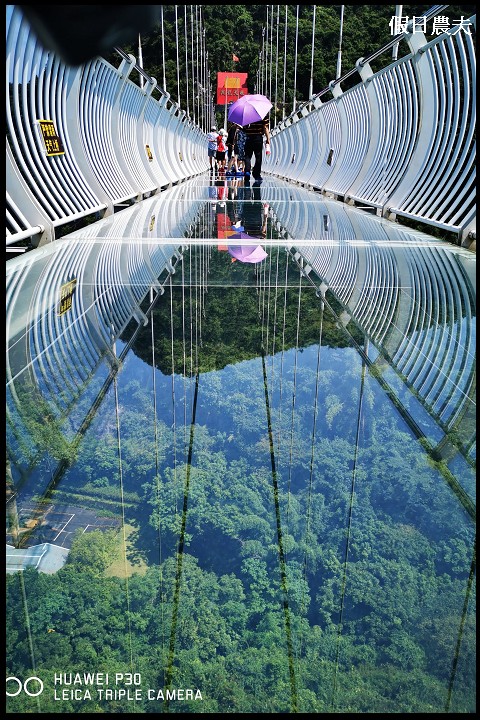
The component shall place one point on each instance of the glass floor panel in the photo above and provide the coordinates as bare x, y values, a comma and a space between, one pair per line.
240, 428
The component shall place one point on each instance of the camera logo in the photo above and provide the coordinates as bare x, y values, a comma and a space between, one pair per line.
32, 686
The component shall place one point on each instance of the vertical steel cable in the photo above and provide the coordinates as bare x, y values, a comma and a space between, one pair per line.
263, 314
157, 474
163, 50
173, 397
122, 500
283, 352
349, 526
28, 627
193, 63
310, 91
191, 314
295, 66
154, 387
197, 64
184, 358
201, 86
178, 62
186, 60
140, 59
265, 91
268, 299
312, 457
180, 550
271, 50
294, 393
204, 83
276, 69
470, 582
196, 307
281, 552
285, 62
339, 56
262, 296
275, 319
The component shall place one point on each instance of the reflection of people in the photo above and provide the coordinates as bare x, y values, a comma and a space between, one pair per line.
233, 189
252, 215
212, 146
212, 190
233, 206
254, 145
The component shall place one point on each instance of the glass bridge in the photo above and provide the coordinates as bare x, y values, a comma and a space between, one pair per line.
238, 486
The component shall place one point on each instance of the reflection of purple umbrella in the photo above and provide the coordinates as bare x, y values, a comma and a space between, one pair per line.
249, 109
247, 253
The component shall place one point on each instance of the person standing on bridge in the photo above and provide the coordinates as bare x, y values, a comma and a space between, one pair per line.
221, 150
231, 142
212, 146
255, 132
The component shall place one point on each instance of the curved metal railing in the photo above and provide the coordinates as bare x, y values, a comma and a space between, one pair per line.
401, 142
108, 142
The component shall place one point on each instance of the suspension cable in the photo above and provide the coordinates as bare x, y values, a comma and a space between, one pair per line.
181, 542
173, 398
285, 63
281, 553
122, 500
275, 319
180, 550
312, 457
271, 51
268, 300
154, 386
349, 529
276, 69
197, 49
294, 393
462, 625
295, 67
163, 50
193, 63
21, 579
186, 59
191, 314
178, 63
157, 474
287, 260
184, 360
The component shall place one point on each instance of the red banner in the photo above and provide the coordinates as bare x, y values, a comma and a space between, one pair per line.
230, 86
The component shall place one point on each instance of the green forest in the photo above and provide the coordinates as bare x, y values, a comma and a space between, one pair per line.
302, 556
264, 38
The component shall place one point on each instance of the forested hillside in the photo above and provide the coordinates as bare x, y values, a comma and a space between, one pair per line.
266, 35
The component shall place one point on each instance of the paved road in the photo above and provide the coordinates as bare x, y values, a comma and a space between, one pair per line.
60, 523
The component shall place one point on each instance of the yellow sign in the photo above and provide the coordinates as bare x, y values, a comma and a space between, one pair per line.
152, 223
66, 295
149, 153
233, 82
53, 144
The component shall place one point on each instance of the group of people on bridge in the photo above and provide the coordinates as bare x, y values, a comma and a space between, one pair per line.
231, 152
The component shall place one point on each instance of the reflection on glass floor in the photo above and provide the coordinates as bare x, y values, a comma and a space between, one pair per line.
282, 451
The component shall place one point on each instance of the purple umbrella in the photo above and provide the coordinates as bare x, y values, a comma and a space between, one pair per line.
249, 109
247, 253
